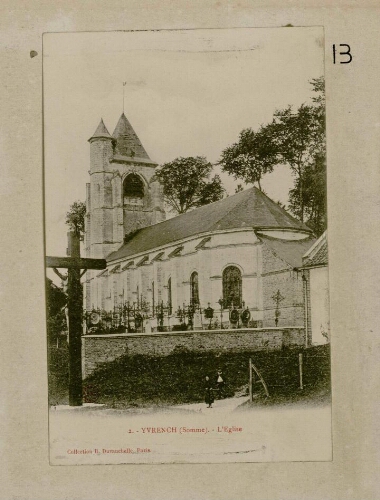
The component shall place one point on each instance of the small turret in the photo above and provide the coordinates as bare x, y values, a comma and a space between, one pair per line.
101, 149
101, 132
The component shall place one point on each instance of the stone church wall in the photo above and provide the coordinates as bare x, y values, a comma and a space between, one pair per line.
98, 349
208, 263
278, 276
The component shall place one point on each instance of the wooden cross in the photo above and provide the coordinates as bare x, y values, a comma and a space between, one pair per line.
76, 267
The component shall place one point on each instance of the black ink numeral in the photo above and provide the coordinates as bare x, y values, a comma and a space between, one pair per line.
346, 52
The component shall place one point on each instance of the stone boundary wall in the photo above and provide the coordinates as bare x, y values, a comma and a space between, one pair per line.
98, 349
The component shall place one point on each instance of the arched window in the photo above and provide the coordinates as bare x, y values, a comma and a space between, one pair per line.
133, 186
232, 287
194, 289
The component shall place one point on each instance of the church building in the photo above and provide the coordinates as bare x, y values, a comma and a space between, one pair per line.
244, 251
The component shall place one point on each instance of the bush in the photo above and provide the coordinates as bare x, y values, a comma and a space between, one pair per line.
58, 375
179, 378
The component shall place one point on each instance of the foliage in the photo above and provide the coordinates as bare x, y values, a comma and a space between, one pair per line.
318, 85
253, 156
56, 299
300, 142
313, 196
75, 217
186, 183
138, 380
58, 374
295, 138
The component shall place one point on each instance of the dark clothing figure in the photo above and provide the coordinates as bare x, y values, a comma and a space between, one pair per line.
209, 393
220, 384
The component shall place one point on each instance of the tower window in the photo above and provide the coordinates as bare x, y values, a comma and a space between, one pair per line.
133, 186
232, 287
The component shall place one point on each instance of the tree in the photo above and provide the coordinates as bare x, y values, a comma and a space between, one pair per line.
298, 142
295, 138
186, 183
318, 85
75, 217
253, 156
302, 145
56, 300
314, 196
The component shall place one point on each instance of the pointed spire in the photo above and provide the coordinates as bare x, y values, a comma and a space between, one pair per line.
127, 142
101, 132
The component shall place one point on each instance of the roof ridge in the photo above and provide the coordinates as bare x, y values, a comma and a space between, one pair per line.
281, 210
215, 225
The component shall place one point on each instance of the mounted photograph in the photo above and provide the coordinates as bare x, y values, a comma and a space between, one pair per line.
187, 295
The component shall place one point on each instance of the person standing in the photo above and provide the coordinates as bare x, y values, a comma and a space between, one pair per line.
220, 384
209, 392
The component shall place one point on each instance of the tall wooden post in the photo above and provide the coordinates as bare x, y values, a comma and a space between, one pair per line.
75, 312
250, 380
300, 364
76, 267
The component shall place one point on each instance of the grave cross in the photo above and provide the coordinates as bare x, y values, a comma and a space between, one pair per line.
76, 267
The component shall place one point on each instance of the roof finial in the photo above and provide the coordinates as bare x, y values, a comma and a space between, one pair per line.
124, 84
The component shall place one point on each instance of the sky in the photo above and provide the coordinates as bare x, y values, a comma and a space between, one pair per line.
187, 93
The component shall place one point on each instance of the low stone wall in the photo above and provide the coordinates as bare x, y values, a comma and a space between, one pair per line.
98, 349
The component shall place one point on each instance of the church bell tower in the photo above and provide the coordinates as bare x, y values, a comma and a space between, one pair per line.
122, 195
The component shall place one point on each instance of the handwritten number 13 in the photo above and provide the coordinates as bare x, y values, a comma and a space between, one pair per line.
346, 52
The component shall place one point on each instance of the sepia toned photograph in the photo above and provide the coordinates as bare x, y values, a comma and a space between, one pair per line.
187, 289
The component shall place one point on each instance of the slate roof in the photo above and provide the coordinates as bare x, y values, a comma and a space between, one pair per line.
248, 209
317, 255
290, 251
101, 132
127, 142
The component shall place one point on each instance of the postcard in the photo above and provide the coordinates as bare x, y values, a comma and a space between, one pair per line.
205, 88
187, 246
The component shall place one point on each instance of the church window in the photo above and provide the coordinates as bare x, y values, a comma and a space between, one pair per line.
133, 186
194, 289
170, 295
232, 287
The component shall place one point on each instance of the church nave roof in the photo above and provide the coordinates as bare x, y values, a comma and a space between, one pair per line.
248, 209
